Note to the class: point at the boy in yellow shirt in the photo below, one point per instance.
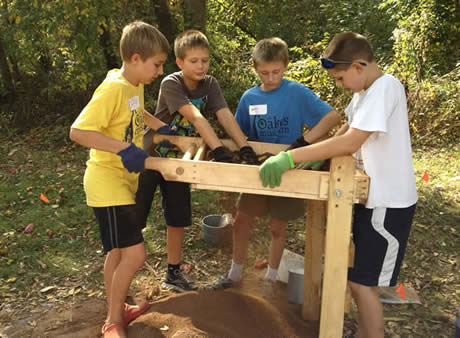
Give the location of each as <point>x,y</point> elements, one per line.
<point>112,125</point>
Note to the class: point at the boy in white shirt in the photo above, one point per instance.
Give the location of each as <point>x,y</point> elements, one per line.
<point>377,133</point>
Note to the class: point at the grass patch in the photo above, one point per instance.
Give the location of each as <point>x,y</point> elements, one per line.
<point>63,252</point>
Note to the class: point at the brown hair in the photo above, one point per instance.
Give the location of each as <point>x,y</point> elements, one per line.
<point>189,39</point>
<point>348,46</point>
<point>270,50</point>
<point>141,38</point>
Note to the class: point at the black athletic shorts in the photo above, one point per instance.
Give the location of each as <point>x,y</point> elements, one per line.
<point>118,226</point>
<point>175,199</point>
<point>380,236</point>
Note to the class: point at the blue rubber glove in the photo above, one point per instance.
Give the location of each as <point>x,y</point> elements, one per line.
<point>166,130</point>
<point>133,158</point>
<point>271,170</point>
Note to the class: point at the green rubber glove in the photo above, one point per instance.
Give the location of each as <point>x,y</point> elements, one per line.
<point>271,170</point>
<point>314,165</point>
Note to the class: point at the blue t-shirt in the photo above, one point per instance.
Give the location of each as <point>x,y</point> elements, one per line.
<point>278,116</point>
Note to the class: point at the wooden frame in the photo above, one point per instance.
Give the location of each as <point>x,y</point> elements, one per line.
<point>330,194</point>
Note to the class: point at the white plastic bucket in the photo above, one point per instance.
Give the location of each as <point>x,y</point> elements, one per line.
<point>295,286</point>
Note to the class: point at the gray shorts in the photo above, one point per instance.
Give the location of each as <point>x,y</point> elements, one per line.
<point>283,208</point>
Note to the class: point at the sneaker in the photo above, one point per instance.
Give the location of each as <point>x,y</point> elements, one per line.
<point>177,282</point>
<point>224,282</point>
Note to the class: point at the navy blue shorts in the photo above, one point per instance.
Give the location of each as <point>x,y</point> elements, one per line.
<point>175,199</point>
<point>380,236</point>
<point>118,226</point>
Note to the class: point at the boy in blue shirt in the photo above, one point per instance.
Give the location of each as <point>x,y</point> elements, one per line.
<point>274,111</point>
<point>377,133</point>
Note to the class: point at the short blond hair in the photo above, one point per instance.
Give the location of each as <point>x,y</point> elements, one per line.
<point>270,50</point>
<point>189,39</point>
<point>141,38</point>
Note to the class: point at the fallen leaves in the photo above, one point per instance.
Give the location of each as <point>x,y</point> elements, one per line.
<point>29,228</point>
<point>43,198</point>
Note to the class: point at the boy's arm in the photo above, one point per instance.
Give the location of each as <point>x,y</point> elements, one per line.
<point>96,140</point>
<point>322,128</point>
<point>132,157</point>
<point>228,122</point>
<point>271,171</point>
<point>152,122</point>
<point>344,144</point>
<point>342,130</point>
<point>193,115</point>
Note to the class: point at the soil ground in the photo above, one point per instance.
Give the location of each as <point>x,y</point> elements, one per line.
<point>252,310</point>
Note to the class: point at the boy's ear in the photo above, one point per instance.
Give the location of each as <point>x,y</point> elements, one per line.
<point>135,58</point>
<point>179,62</point>
<point>359,67</point>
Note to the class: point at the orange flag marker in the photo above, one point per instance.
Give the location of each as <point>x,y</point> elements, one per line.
<point>401,291</point>
<point>43,198</point>
<point>425,177</point>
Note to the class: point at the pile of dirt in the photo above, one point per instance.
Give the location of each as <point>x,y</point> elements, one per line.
<point>253,310</point>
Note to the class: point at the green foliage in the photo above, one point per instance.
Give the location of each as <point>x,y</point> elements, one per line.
<point>434,107</point>
<point>57,52</point>
<point>427,40</point>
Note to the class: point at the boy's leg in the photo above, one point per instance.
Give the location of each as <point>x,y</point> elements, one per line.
<point>282,209</point>
<point>123,243</point>
<point>367,299</point>
<point>132,258</point>
<point>176,204</point>
<point>247,208</point>
<point>380,236</point>
<point>278,230</point>
<point>241,228</point>
<point>112,260</point>
<point>174,240</point>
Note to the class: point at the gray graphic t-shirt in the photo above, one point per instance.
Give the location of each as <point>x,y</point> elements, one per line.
<point>207,98</point>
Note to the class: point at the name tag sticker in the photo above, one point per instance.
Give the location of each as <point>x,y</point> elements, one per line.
<point>258,109</point>
<point>133,103</point>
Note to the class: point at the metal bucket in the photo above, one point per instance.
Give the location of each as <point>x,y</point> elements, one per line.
<point>214,230</point>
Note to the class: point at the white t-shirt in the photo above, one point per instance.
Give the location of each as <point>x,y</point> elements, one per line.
<point>386,155</point>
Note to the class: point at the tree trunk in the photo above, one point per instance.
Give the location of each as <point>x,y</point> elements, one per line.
<point>195,14</point>
<point>111,60</point>
<point>166,24</point>
<point>5,70</point>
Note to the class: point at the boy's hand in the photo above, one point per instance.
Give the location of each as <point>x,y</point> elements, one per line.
<point>270,172</point>
<point>166,130</point>
<point>300,142</point>
<point>222,154</point>
<point>133,158</point>
<point>248,155</point>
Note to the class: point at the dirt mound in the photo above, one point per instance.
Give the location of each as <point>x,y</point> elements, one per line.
<point>254,310</point>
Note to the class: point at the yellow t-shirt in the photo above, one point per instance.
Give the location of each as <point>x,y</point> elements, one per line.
<point>115,110</point>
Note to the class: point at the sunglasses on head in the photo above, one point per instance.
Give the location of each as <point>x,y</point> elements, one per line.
<point>329,63</point>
